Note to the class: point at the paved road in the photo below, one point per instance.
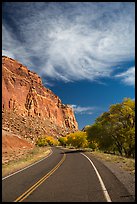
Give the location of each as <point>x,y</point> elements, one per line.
<point>65,176</point>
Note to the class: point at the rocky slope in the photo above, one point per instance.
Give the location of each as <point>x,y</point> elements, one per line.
<point>30,109</point>
<point>13,147</point>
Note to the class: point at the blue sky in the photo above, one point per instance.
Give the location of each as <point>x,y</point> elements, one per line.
<point>84,51</point>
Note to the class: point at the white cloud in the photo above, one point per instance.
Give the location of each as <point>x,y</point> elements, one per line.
<point>128,77</point>
<point>83,110</point>
<point>13,48</point>
<point>71,41</point>
<point>7,53</point>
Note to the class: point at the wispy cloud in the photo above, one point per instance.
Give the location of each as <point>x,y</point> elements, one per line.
<point>128,77</point>
<point>72,40</point>
<point>83,110</point>
<point>13,48</point>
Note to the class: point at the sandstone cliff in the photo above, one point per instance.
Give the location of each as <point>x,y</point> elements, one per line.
<point>30,108</point>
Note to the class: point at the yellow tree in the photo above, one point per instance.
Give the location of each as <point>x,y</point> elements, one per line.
<point>122,119</point>
<point>115,129</point>
<point>77,139</point>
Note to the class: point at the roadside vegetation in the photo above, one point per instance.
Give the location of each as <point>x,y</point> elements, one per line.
<point>27,159</point>
<point>77,139</point>
<point>46,140</point>
<point>127,164</point>
<point>113,132</point>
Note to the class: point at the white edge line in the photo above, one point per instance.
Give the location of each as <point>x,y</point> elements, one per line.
<point>100,180</point>
<point>27,166</point>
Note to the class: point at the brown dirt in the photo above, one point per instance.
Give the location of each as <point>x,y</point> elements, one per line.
<point>13,147</point>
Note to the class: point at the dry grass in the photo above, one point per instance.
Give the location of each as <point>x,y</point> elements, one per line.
<point>127,164</point>
<point>32,156</point>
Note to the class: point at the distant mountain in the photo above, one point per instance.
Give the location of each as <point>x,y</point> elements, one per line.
<point>29,108</point>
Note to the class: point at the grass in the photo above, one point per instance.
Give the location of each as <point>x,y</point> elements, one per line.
<point>127,164</point>
<point>31,157</point>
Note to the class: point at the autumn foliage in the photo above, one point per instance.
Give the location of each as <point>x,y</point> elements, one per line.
<point>114,131</point>
<point>77,139</point>
<point>46,141</point>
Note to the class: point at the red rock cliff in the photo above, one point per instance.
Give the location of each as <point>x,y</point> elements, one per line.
<point>24,94</point>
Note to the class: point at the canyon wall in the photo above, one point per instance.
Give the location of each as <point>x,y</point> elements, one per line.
<point>25,97</point>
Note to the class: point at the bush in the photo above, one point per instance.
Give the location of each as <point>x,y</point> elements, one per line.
<point>77,139</point>
<point>63,141</point>
<point>46,140</point>
<point>41,142</point>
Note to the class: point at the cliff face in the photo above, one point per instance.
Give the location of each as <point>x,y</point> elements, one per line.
<point>24,95</point>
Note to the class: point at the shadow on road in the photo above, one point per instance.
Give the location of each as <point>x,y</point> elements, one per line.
<point>73,151</point>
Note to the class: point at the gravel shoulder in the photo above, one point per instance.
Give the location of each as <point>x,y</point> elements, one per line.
<point>126,176</point>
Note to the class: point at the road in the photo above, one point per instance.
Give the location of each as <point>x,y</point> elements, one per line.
<point>65,176</point>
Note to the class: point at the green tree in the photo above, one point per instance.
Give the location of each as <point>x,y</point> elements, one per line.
<point>98,136</point>
<point>62,141</point>
<point>122,119</point>
<point>115,129</point>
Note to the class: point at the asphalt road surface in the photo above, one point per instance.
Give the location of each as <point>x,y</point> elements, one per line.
<point>65,176</point>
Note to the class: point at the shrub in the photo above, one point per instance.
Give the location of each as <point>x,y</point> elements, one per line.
<point>77,139</point>
<point>41,142</point>
<point>46,140</point>
<point>63,141</point>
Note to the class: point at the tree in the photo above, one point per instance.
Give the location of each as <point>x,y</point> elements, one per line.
<point>77,139</point>
<point>98,136</point>
<point>46,140</point>
<point>41,142</point>
<point>122,119</point>
<point>115,129</point>
<point>63,141</point>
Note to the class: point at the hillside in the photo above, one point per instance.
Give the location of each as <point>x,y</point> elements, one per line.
<point>29,109</point>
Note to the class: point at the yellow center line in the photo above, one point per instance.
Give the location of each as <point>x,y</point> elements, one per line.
<point>38,183</point>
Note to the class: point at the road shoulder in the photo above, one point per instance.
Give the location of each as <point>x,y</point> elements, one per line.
<point>124,176</point>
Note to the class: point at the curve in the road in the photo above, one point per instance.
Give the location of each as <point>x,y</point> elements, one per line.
<point>28,166</point>
<point>80,178</point>
<point>16,184</point>
<point>38,183</point>
<point>106,194</point>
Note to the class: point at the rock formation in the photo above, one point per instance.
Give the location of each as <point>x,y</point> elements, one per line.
<point>26,101</point>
